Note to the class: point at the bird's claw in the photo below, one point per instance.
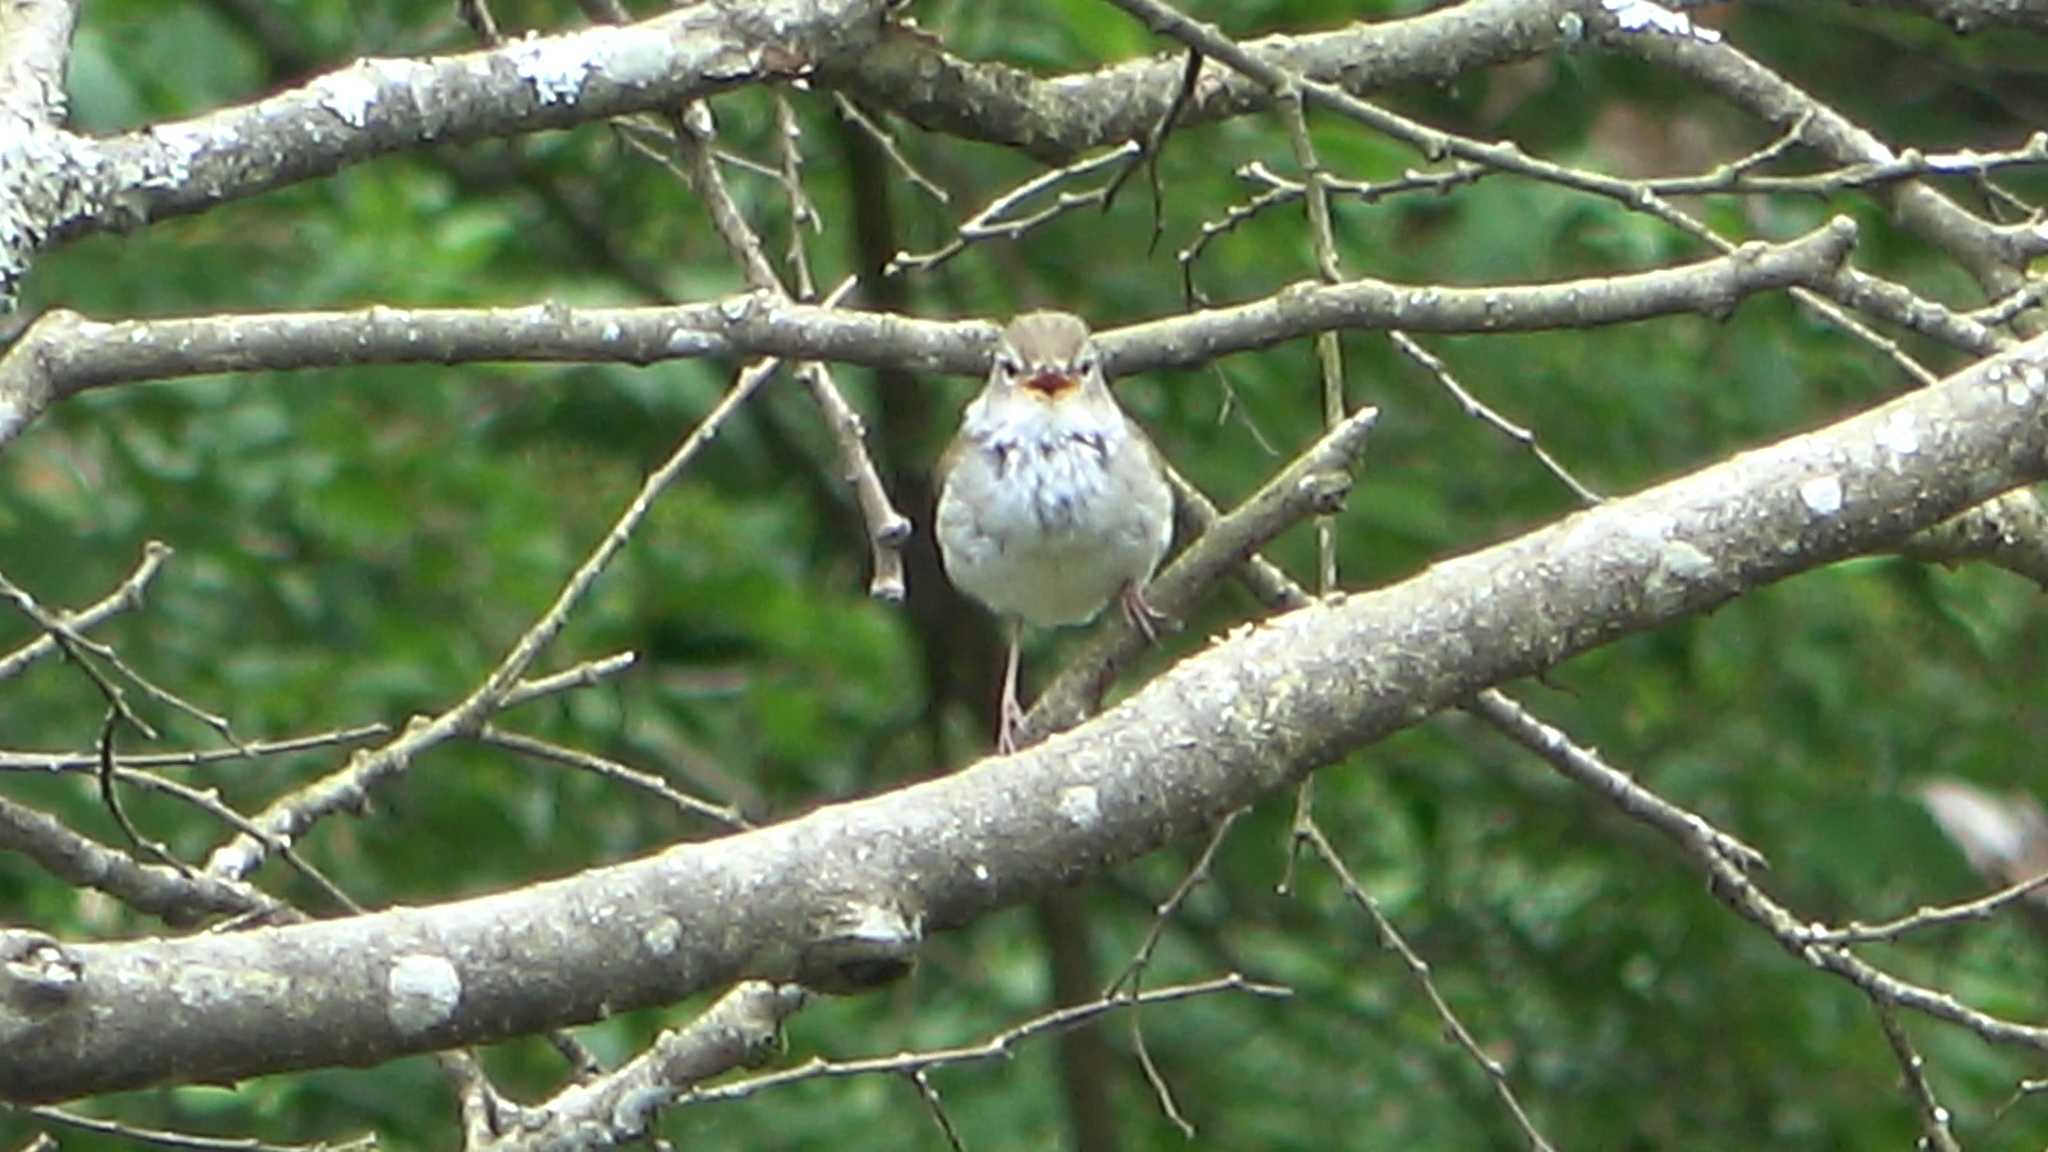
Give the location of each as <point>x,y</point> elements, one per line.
<point>1142,615</point>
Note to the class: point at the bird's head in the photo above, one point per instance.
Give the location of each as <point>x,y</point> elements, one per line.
<point>1048,358</point>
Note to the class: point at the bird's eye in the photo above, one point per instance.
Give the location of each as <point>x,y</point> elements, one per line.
<point>1087,364</point>
<point>1009,365</point>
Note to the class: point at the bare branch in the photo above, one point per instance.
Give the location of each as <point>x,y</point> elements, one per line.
<point>1058,118</point>
<point>1390,937</point>
<point>346,789</point>
<point>1982,908</point>
<point>2011,532</point>
<point>124,598</point>
<point>995,221</point>
<point>743,1029</point>
<point>189,1141</point>
<point>77,647</point>
<point>63,354</point>
<point>1740,178</point>
<point>995,1048</point>
<point>156,890</point>
<point>1974,243</point>
<point>1249,715</point>
<point>1934,1119</point>
<point>1585,767</point>
<point>611,770</point>
<point>1316,481</point>
<point>1280,190</point>
<point>254,750</point>
<point>1505,156</point>
<point>929,1093</point>
<point>583,675</point>
<point>1477,409</point>
<point>887,143</point>
<point>377,107</point>
<point>887,529</point>
<point>1133,975</point>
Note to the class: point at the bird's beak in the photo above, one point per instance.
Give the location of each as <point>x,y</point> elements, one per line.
<point>1052,385</point>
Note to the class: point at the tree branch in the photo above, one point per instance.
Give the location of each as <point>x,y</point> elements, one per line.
<point>1058,118</point>
<point>1982,249</point>
<point>62,185</point>
<point>35,45</point>
<point>63,353</point>
<point>1253,713</point>
<point>125,598</point>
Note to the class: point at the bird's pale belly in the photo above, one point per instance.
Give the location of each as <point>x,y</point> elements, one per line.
<point>1048,579</point>
<point>1051,543</point>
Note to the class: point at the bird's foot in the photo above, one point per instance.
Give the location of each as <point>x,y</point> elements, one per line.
<point>1149,621</point>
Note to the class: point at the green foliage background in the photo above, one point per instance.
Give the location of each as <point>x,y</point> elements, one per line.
<point>364,544</point>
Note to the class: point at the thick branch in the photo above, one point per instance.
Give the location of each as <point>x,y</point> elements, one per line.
<point>1255,712</point>
<point>64,354</point>
<point>71,185</point>
<point>35,42</point>
<point>152,888</point>
<point>1058,118</point>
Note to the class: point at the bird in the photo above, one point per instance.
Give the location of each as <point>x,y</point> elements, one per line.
<point>1052,502</point>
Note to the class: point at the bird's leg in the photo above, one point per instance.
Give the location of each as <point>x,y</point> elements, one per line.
<point>1140,612</point>
<point>1012,713</point>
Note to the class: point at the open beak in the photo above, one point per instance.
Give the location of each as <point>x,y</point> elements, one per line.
<point>1052,385</point>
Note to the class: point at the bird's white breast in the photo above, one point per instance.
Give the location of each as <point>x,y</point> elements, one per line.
<point>1037,522</point>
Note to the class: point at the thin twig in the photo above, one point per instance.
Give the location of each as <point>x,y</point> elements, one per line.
<point>1936,1134</point>
<point>477,14</point>
<point>1154,142</point>
<point>288,817</point>
<point>161,1138</point>
<point>256,750</point>
<point>1419,969</point>
<point>580,676</point>
<point>76,646</point>
<point>887,528</point>
<point>994,221</point>
<point>110,799</point>
<point>647,782</point>
<point>1133,976</point>
<point>1585,767</point>
<point>890,148</point>
<point>1910,164</point>
<point>1281,190</point>
<point>70,643</point>
<point>1477,409</point>
<point>803,215</point>
<point>994,1048</point>
<point>1330,358</point>
<point>1197,875</point>
<point>929,1093</point>
<point>1982,908</point>
<point>125,597</point>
